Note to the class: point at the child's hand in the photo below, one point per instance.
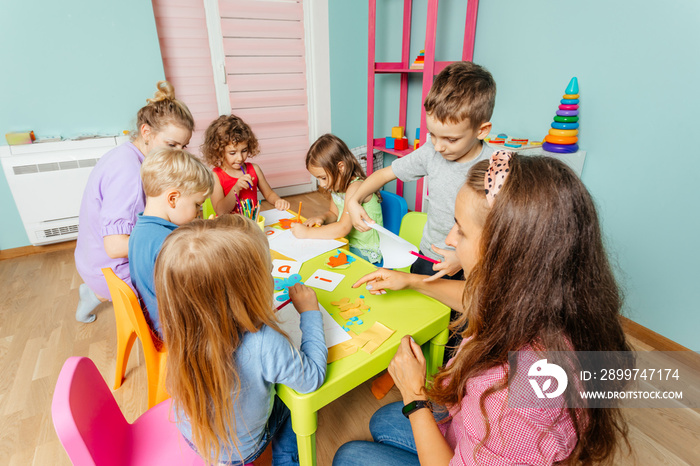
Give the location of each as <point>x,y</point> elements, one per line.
<point>358,216</point>
<point>282,204</point>
<point>383,279</point>
<point>303,298</point>
<point>449,266</point>
<point>299,231</point>
<point>313,221</point>
<point>244,182</point>
<point>408,370</point>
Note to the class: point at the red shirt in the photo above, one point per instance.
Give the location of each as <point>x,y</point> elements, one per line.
<point>227,183</point>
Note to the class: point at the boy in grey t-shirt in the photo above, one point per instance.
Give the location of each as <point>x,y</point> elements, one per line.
<point>458,109</point>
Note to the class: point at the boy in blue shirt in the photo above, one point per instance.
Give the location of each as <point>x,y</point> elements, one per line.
<point>176,184</point>
<point>458,109</point>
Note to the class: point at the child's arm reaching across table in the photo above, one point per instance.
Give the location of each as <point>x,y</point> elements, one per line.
<point>331,227</point>
<point>353,205</point>
<point>267,192</point>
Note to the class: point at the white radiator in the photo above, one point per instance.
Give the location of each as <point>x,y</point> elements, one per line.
<point>47,182</point>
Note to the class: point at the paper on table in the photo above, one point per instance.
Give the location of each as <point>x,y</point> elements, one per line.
<point>396,251</point>
<point>324,280</point>
<point>289,322</point>
<point>274,216</point>
<point>283,269</point>
<point>301,249</point>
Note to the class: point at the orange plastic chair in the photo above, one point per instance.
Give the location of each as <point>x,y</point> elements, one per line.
<point>131,324</point>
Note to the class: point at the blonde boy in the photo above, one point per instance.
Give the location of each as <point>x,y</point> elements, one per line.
<point>458,109</point>
<point>176,185</point>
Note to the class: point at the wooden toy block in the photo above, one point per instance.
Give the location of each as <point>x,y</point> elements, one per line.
<point>401,144</point>
<point>416,144</point>
<point>389,142</point>
<point>397,132</point>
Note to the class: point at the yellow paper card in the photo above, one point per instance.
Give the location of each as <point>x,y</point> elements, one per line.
<point>375,336</point>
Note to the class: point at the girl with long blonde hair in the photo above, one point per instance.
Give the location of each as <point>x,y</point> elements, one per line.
<point>226,351</point>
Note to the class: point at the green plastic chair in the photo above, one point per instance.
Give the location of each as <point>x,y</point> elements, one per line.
<point>412,230</point>
<point>208,209</point>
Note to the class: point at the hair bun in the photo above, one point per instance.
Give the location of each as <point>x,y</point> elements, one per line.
<point>165,91</point>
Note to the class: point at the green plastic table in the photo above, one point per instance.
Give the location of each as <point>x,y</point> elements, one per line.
<point>407,312</point>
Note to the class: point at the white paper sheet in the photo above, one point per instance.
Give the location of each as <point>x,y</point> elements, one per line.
<point>274,216</point>
<point>396,251</point>
<point>301,249</point>
<point>324,279</point>
<point>283,269</point>
<point>289,322</point>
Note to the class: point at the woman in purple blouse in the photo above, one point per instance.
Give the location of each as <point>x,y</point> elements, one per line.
<point>114,196</point>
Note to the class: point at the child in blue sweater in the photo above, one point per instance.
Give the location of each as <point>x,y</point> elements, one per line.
<point>176,184</point>
<point>226,351</point>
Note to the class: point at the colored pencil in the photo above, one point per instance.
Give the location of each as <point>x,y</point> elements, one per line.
<point>425,257</point>
<point>299,213</point>
<point>284,304</point>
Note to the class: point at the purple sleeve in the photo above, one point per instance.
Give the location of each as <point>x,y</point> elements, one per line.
<point>122,198</point>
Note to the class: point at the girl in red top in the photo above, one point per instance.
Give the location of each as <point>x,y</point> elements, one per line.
<point>228,142</point>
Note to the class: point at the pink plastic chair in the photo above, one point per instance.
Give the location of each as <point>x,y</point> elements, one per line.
<point>93,431</point>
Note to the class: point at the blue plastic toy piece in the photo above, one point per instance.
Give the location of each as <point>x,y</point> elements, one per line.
<point>569,101</point>
<point>503,136</point>
<point>557,125</point>
<point>417,133</point>
<point>389,142</point>
<point>359,322</point>
<point>572,88</point>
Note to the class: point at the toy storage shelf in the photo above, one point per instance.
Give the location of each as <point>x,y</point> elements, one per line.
<point>403,68</point>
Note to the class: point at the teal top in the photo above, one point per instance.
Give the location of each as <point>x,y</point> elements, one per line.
<point>366,242</point>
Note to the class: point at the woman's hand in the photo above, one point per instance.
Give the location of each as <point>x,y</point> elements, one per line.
<point>282,204</point>
<point>408,370</point>
<point>450,264</point>
<point>313,221</point>
<point>244,182</point>
<point>303,298</point>
<point>299,230</point>
<point>384,279</point>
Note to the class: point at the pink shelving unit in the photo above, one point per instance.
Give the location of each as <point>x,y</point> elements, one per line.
<point>430,69</point>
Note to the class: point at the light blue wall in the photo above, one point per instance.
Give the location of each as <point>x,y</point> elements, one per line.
<point>637,76</point>
<point>71,68</point>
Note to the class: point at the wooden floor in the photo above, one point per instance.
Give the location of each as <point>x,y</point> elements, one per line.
<point>38,332</point>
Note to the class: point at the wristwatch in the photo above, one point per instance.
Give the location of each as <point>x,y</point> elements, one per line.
<point>414,406</point>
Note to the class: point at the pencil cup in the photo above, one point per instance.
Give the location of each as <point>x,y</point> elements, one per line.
<point>261,223</point>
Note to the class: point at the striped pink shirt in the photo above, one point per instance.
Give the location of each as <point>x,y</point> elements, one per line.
<point>518,436</point>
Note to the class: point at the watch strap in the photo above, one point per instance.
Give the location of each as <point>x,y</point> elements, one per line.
<point>414,406</point>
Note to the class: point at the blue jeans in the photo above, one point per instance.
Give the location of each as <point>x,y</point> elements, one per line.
<point>393,444</point>
<point>285,451</point>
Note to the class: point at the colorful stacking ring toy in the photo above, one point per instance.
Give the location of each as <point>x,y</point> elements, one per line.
<point>557,125</point>
<point>561,140</point>
<point>560,149</point>
<point>563,132</point>
<point>563,135</point>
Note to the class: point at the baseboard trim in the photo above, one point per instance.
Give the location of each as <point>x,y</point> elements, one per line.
<point>31,250</point>
<point>661,343</point>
